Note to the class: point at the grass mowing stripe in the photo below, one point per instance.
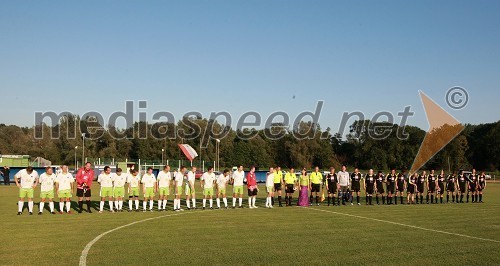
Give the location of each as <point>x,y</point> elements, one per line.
<point>83,257</point>
<point>406,225</point>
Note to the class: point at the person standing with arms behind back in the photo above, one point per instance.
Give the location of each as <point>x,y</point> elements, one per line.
<point>343,177</point>
<point>278,184</point>
<point>5,172</point>
<point>316,178</point>
<point>84,178</point>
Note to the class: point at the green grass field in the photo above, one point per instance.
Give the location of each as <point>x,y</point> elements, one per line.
<point>289,235</point>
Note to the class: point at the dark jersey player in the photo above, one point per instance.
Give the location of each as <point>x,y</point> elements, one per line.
<point>390,180</point>
<point>441,181</point>
<point>472,188</point>
<point>481,185</point>
<point>451,186</point>
<point>380,180</point>
<point>431,187</point>
<point>331,186</point>
<point>369,186</point>
<point>356,185</point>
<point>411,188</point>
<point>400,187</point>
<point>421,187</point>
<point>462,185</point>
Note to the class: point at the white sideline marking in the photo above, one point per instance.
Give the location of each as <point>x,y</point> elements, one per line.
<point>407,225</point>
<point>85,252</point>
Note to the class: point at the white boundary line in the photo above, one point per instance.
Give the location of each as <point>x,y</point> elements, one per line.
<point>85,252</point>
<point>406,225</point>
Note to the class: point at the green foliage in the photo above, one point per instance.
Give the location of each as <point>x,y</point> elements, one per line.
<point>477,145</point>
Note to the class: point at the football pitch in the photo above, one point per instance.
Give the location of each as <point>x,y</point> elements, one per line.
<point>397,234</point>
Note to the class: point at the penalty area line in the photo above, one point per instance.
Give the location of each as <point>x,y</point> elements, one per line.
<point>406,225</point>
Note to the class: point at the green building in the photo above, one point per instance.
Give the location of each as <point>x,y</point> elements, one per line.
<point>14,160</point>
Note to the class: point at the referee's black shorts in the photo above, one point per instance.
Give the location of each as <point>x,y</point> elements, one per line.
<point>277,186</point>
<point>316,188</point>
<point>80,192</point>
<point>289,188</point>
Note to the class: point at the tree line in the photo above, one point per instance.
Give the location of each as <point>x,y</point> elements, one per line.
<point>477,145</point>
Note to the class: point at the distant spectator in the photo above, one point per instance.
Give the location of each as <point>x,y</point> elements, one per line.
<point>5,172</point>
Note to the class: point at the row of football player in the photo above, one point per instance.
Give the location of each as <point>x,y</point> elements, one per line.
<point>416,185</point>
<point>112,186</point>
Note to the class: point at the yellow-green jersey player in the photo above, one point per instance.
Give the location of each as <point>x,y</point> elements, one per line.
<point>26,181</point>
<point>207,182</point>
<point>133,181</point>
<point>291,184</point>
<point>164,180</point>
<point>221,183</point>
<point>47,181</point>
<point>65,184</point>
<point>119,180</point>
<point>315,178</point>
<point>150,187</point>
<point>278,183</point>
<point>105,179</point>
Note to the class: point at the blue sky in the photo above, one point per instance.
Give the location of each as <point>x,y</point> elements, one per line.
<point>240,56</point>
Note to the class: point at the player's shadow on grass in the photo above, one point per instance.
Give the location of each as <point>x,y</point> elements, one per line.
<point>93,205</point>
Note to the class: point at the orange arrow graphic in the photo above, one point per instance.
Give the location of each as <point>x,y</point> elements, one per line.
<point>443,128</point>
